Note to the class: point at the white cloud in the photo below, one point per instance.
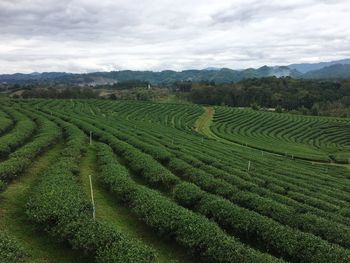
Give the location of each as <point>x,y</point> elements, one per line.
<point>94,35</point>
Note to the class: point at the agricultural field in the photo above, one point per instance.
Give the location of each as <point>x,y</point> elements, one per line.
<point>112,181</point>
<point>306,137</point>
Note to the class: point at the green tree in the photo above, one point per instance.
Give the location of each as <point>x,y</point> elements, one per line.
<point>278,109</point>
<point>315,110</point>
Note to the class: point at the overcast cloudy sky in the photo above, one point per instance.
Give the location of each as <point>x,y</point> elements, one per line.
<point>104,35</point>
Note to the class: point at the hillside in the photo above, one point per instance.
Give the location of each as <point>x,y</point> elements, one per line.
<point>104,181</point>
<point>306,67</point>
<point>337,71</point>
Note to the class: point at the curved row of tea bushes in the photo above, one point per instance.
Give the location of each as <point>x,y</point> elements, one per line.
<point>22,131</point>
<point>318,131</point>
<point>6,123</point>
<point>172,115</point>
<point>59,206</point>
<point>291,244</point>
<point>328,230</point>
<point>312,138</point>
<point>189,229</point>
<point>19,160</point>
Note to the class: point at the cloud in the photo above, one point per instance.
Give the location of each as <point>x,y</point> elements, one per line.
<point>92,35</point>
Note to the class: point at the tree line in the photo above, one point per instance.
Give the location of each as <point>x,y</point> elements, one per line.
<point>305,96</point>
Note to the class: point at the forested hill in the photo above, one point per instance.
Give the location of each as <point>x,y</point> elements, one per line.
<point>168,77</point>
<point>165,77</point>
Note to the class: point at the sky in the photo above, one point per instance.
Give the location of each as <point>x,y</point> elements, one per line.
<point>106,35</point>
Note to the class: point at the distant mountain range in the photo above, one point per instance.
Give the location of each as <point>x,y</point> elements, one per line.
<point>325,70</point>
<point>306,67</point>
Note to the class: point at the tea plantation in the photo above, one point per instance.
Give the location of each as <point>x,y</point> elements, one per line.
<point>122,181</point>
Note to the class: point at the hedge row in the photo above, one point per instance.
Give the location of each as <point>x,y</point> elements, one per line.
<point>60,207</point>
<point>190,230</point>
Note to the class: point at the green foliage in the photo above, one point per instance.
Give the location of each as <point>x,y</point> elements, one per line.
<point>284,241</point>
<point>59,206</point>
<point>255,106</point>
<point>278,109</point>
<point>271,92</point>
<point>190,230</point>
<point>10,250</point>
<point>192,189</point>
<point>315,110</point>
<point>2,186</point>
<point>23,130</point>
<point>303,137</point>
<point>20,159</point>
<point>59,93</point>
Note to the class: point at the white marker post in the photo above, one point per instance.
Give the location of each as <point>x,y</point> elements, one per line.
<point>92,199</point>
<point>248,166</point>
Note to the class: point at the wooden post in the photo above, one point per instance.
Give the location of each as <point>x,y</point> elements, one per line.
<point>92,199</point>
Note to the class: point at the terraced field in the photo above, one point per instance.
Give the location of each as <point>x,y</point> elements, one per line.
<point>171,183</point>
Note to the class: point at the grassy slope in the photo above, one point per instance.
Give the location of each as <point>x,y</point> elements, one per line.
<point>108,209</point>
<point>12,216</point>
